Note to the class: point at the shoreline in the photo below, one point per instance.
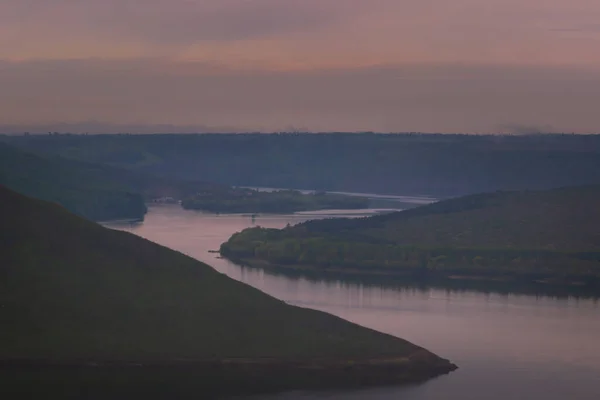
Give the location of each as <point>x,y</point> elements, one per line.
<point>215,378</point>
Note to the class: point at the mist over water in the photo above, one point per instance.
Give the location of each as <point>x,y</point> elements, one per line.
<point>507,346</point>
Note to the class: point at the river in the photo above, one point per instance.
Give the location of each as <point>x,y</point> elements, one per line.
<point>508,346</point>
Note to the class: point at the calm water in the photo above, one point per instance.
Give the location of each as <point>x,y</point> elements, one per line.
<point>507,346</point>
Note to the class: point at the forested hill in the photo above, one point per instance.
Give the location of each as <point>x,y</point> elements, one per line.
<point>108,311</point>
<point>97,192</point>
<point>563,219</point>
<point>438,165</point>
<point>532,235</point>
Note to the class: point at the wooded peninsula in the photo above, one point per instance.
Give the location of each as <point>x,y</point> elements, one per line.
<point>534,236</point>
<point>242,200</point>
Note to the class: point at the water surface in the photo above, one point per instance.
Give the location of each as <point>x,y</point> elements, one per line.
<point>508,346</point>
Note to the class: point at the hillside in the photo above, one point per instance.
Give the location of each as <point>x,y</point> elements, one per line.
<point>549,236</point>
<point>102,192</point>
<point>97,192</point>
<point>405,164</point>
<point>114,314</point>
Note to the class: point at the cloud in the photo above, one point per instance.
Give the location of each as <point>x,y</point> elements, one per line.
<point>432,98</point>
<point>525,129</point>
<point>226,20</point>
<point>583,28</point>
<point>301,33</point>
<point>96,127</point>
<point>174,22</point>
<point>385,65</point>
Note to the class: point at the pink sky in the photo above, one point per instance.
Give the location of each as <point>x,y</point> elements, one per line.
<point>384,65</point>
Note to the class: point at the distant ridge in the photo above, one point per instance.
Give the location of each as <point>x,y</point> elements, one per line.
<point>437,165</point>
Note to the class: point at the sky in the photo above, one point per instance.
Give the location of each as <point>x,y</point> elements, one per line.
<point>472,66</point>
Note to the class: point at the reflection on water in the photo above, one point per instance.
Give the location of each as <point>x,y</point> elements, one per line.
<point>508,346</point>
<point>447,285</point>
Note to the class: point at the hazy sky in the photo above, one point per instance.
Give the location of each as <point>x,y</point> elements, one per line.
<point>382,65</point>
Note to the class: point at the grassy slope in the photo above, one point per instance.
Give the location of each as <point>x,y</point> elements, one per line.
<point>73,290</point>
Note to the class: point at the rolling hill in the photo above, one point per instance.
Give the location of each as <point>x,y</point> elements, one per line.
<point>102,192</point>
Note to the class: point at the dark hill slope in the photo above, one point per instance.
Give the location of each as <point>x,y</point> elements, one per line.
<point>533,235</point>
<point>73,293</point>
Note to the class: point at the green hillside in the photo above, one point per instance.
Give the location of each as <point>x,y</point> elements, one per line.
<point>549,236</point>
<point>104,311</point>
<point>97,192</point>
